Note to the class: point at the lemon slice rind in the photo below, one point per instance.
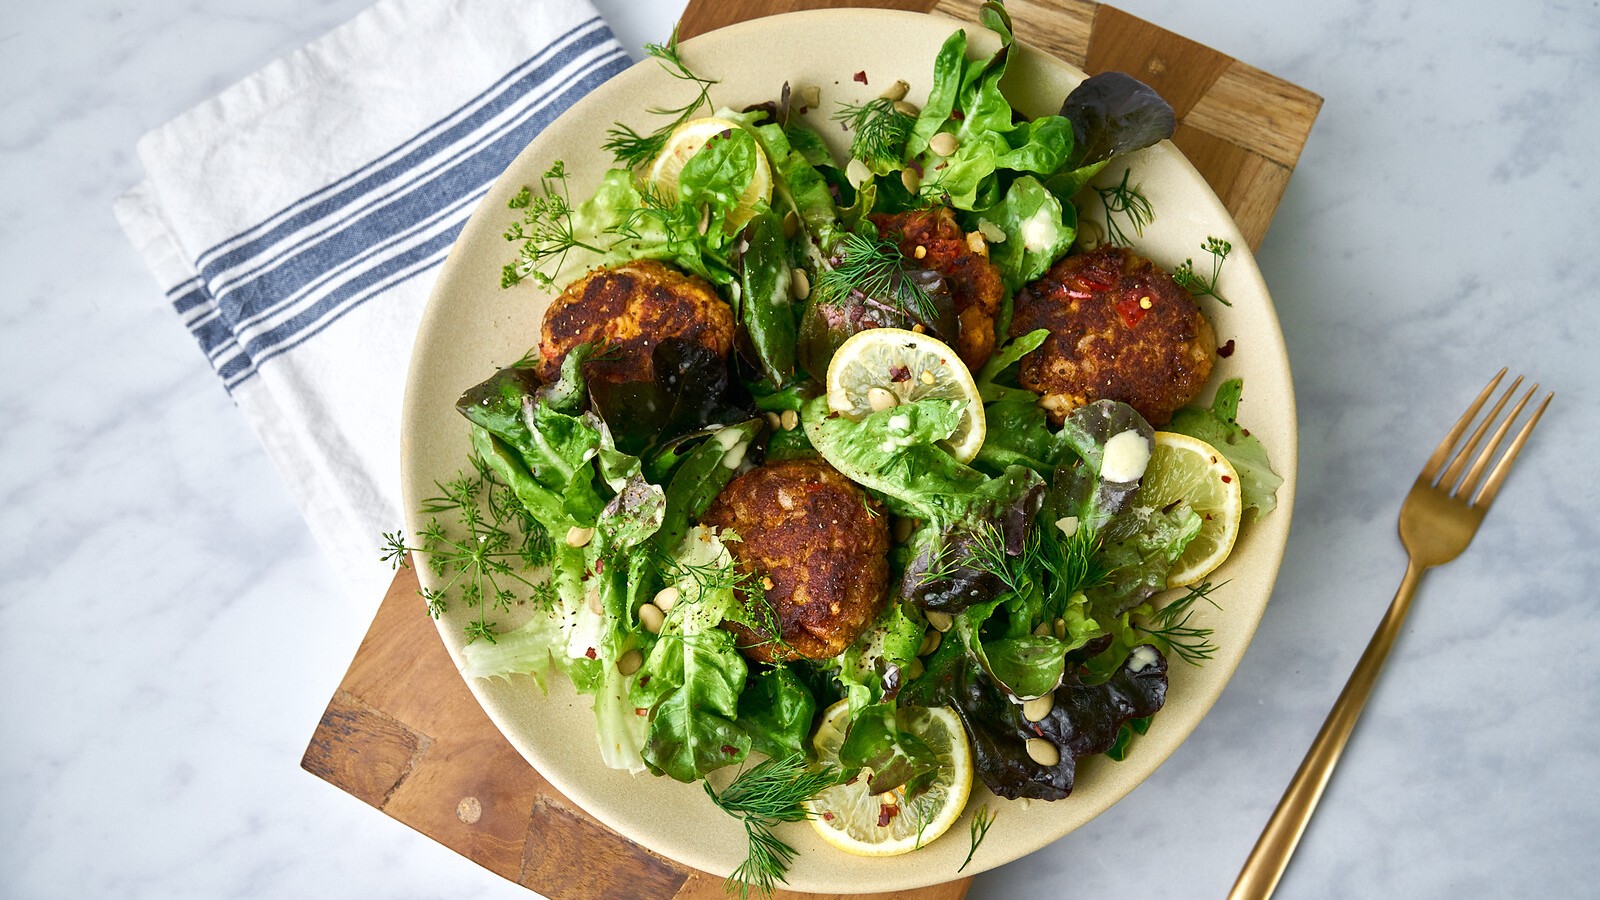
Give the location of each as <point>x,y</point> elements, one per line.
<point>1187,469</point>
<point>846,816</point>
<point>909,366</point>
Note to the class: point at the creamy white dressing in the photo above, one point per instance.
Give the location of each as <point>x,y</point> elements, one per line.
<point>1126,457</point>
<point>1143,657</point>
<point>1040,230</point>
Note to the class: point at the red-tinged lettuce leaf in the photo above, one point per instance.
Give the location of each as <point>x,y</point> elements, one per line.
<point>691,390</point>
<point>1112,114</point>
<point>1085,720</point>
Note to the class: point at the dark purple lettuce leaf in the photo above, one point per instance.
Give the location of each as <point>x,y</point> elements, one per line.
<point>1113,113</point>
<point>832,317</point>
<point>691,389</point>
<point>1085,720</point>
<point>941,575</point>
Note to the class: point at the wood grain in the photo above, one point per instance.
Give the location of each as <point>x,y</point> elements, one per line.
<point>402,732</point>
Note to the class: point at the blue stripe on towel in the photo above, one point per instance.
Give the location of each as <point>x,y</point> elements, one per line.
<point>391,164</point>
<point>364,250</point>
<point>345,238</point>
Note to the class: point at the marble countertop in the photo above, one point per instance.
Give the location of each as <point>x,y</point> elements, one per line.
<point>169,633</point>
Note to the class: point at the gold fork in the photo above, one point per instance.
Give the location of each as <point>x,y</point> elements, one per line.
<point>1437,521</point>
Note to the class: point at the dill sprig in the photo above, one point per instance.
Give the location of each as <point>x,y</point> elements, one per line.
<point>1199,285</point>
<point>1170,626</point>
<point>1129,201</point>
<point>545,230</point>
<point>749,588</point>
<point>1072,564</point>
<point>981,820</point>
<point>874,268</point>
<point>765,795</point>
<point>482,554</point>
<point>632,149</point>
<point>881,132</point>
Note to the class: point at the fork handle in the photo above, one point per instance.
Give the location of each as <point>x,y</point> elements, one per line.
<point>1267,861</point>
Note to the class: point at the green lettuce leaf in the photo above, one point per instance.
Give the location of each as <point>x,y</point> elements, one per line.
<point>1218,426</point>
<point>1038,230</point>
<point>776,710</point>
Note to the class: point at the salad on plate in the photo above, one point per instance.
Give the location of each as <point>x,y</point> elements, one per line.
<point>866,478</point>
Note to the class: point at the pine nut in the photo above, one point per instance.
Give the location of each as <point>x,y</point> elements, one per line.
<point>790,420</point>
<point>857,173</point>
<point>913,670</point>
<point>896,91</point>
<point>630,662</point>
<point>907,109</point>
<point>881,399</point>
<point>811,96</point>
<point>579,537</point>
<point>799,284</point>
<point>1038,708</point>
<point>791,224</point>
<point>930,642</point>
<point>652,618</point>
<point>1061,629</point>
<point>666,597</point>
<point>774,421</point>
<point>944,143</point>
<point>911,180</point>
<point>1043,752</point>
<point>591,599</point>
<point>1042,629</point>
<point>903,529</point>
<point>939,620</point>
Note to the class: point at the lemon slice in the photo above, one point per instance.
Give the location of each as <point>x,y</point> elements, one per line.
<point>1189,470</point>
<point>883,367</point>
<point>685,141</point>
<point>847,816</point>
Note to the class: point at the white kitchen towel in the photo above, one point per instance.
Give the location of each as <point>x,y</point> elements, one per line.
<point>297,222</point>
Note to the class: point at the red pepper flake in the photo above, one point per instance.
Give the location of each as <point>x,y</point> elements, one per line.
<point>1130,311</point>
<point>1227,479</point>
<point>827,817</point>
<point>898,374</point>
<point>957,115</point>
<point>886,812</point>
<point>860,76</point>
<point>600,566</point>
<point>1095,280</point>
<point>1226,350</point>
<point>590,653</point>
<point>641,711</point>
<point>644,680</point>
<point>729,749</point>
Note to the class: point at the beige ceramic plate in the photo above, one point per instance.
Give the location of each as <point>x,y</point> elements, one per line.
<point>472,327</point>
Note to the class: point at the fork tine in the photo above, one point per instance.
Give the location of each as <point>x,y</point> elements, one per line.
<point>1442,453</point>
<point>1470,482</point>
<point>1498,476</point>
<point>1453,473</point>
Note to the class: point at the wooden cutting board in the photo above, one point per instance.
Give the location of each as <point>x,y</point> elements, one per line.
<point>403,734</point>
